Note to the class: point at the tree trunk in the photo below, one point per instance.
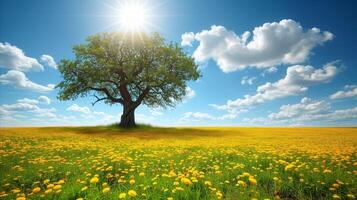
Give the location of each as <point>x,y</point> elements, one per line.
<point>128,116</point>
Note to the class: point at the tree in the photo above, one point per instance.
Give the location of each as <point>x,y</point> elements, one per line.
<point>129,69</point>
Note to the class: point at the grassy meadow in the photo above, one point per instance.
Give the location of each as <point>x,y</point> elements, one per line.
<point>178,163</point>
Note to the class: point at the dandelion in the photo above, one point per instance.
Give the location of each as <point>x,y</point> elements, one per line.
<point>252,181</point>
<point>132,193</point>
<point>208,183</point>
<point>94,180</point>
<point>122,195</point>
<point>36,190</point>
<point>15,191</point>
<point>106,190</point>
<point>57,187</point>
<point>170,198</point>
<point>84,188</point>
<point>335,196</point>
<point>186,181</point>
<point>132,182</point>
<point>48,191</point>
<point>21,198</point>
<point>141,174</point>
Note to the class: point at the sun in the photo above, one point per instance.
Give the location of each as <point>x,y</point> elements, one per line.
<point>133,17</point>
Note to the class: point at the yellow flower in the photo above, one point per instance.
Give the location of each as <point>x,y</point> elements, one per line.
<point>252,181</point>
<point>122,195</point>
<point>79,199</point>
<point>104,184</point>
<point>186,181</point>
<point>36,190</point>
<point>132,193</point>
<point>170,198</point>
<point>50,185</point>
<point>16,191</point>
<point>60,182</point>
<point>142,174</point>
<point>47,181</point>
<point>132,181</point>
<point>94,180</point>
<point>208,183</point>
<point>242,183</point>
<point>105,190</point>
<point>21,198</point>
<point>335,196</point>
<point>58,191</point>
<point>351,196</point>
<point>275,178</point>
<point>289,167</point>
<point>57,187</point>
<point>48,191</point>
<point>84,188</point>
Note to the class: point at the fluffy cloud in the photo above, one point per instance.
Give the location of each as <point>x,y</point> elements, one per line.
<point>190,93</point>
<point>284,42</point>
<point>350,91</point>
<point>44,100</point>
<point>77,108</point>
<point>195,116</point>
<point>248,80</point>
<point>187,39</point>
<point>12,57</point>
<point>305,107</point>
<point>297,80</point>
<point>18,79</point>
<point>27,105</point>
<point>47,59</point>
<point>199,116</point>
<point>307,111</point>
<point>40,99</point>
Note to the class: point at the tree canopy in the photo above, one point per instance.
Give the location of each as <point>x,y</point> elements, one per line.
<point>129,69</point>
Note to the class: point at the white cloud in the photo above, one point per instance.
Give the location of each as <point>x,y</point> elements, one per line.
<point>248,80</point>
<point>195,116</point>
<point>12,57</point>
<point>187,39</point>
<point>47,59</point>
<point>77,108</point>
<point>44,100</point>
<point>297,80</point>
<point>190,93</point>
<point>18,79</point>
<point>28,101</point>
<point>305,107</point>
<point>284,42</point>
<point>351,91</point>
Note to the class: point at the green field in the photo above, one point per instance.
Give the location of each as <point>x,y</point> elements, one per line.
<point>178,163</point>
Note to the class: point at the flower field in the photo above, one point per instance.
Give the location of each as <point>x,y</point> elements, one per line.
<point>178,163</point>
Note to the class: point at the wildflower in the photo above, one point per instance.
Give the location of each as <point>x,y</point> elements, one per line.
<point>50,186</point>
<point>104,184</point>
<point>60,182</point>
<point>48,191</point>
<point>242,183</point>
<point>186,181</point>
<point>21,198</point>
<point>252,181</point>
<point>132,181</point>
<point>15,191</point>
<point>47,181</point>
<point>122,195</point>
<point>208,183</point>
<point>170,198</point>
<point>276,179</point>
<point>79,199</point>
<point>335,196</point>
<point>351,196</point>
<point>132,193</point>
<point>142,174</point>
<point>36,190</point>
<point>105,190</point>
<point>58,191</point>
<point>57,187</point>
<point>289,167</point>
<point>94,180</point>
<point>84,188</point>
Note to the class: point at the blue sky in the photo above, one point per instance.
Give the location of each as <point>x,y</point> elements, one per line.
<point>263,63</point>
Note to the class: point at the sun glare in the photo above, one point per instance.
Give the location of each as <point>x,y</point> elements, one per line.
<point>133,16</point>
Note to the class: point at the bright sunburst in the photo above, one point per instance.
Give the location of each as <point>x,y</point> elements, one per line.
<point>133,16</point>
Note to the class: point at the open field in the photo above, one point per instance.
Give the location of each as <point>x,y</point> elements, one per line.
<point>185,163</point>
